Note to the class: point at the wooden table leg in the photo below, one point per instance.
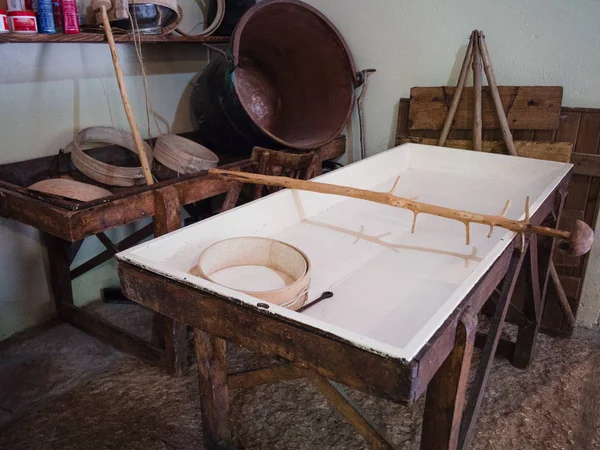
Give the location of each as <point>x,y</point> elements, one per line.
<point>171,333</point>
<point>59,258</point>
<point>538,275</point>
<point>211,356</point>
<point>446,392</point>
<point>532,308</point>
<point>489,350</point>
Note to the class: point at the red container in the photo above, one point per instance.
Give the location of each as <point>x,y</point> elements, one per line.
<point>3,22</point>
<point>22,22</point>
<point>70,17</point>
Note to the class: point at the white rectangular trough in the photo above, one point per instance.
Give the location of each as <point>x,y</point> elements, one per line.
<point>392,289</point>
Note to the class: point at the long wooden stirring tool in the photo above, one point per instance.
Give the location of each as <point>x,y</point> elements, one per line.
<point>103,6</point>
<point>580,239</point>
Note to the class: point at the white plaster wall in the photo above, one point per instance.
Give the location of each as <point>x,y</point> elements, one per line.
<point>48,92</point>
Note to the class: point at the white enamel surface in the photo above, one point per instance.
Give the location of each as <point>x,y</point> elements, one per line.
<point>392,289</point>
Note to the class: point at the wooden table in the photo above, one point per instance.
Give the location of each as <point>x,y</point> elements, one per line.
<point>331,355</point>
<point>66,223</point>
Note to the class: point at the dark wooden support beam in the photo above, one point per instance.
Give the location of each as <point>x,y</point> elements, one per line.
<point>106,255</point>
<point>111,334</point>
<point>505,348</point>
<point>252,378</point>
<point>169,332</point>
<point>446,392</point>
<point>211,357</point>
<point>338,398</point>
<point>59,262</point>
<point>487,357</point>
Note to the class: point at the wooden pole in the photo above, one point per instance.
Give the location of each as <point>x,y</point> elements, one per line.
<point>139,145</point>
<point>458,92</point>
<point>489,73</point>
<point>580,240</point>
<point>477,131</point>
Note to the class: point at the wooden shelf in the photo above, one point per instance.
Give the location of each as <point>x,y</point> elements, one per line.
<point>84,38</point>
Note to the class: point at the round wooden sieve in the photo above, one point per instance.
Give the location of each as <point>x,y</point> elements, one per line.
<point>290,263</point>
<point>182,155</point>
<point>103,172</point>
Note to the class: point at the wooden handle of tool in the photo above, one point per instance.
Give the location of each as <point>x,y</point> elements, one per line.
<point>580,240</point>
<point>139,143</point>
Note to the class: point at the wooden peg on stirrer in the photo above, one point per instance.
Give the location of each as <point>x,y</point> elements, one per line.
<point>579,240</point>
<point>103,6</point>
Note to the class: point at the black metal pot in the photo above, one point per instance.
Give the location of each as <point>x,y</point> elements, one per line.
<point>151,18</point>
<point>234,10</point>
<point>287,81</point>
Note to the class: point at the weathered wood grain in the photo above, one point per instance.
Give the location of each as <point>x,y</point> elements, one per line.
<point>211,358</point>
<point>447,390</point>
<point>312,348</point>
<point>526,107</point>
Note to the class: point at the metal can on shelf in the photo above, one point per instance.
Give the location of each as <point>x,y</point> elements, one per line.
<point>22,22</point>
<point>46,17</point>
<point>70,17</point>
<point>3,22</point>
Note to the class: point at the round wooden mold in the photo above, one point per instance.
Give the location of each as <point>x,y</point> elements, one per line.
<point>182,155</point>
<point>264,268</point>
<point>70,189</point>
<point>101,171</point>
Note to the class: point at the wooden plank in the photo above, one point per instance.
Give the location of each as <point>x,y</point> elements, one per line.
<point>252,378</point>
<point>586,164</point>
<point>337,398</point>
<point>477,390</point>
<point>100,37</point>
<point>447,391</point>
<point>315,349</point>
<point>402,125</point>
<point>58,262</point>
<point>550,151</point>
<point>112,335</point>
<point>527,107</point>
<point>167,218</point>
<point>211,358</point>
<point>571,285</point>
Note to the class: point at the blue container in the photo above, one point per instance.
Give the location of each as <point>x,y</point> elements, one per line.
<point>45,17</point>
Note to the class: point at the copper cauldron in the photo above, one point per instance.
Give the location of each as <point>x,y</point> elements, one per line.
<point>286,80</point>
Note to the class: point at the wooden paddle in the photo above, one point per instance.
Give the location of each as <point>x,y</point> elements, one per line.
<point>580,239</point>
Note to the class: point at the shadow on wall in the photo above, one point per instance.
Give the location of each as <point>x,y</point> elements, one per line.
<point>24,290</point>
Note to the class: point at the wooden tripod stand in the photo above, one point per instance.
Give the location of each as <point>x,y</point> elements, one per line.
<point>477,57</point>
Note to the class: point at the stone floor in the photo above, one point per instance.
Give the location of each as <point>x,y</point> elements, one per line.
<point>60,388</point>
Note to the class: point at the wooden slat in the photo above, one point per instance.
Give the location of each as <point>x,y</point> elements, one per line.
<point>402,126</point>
<point>549,151</point>
<point>99,37</point>
<point>527,107</point>
<point>586,164</point>
<point>570,285</point>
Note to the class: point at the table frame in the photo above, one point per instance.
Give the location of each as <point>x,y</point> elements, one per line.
<point>441,368</point>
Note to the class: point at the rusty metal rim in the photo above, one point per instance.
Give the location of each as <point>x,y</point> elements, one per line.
<point>235,48</point>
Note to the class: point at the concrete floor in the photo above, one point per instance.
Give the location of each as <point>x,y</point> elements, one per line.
<point>60,388</point>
